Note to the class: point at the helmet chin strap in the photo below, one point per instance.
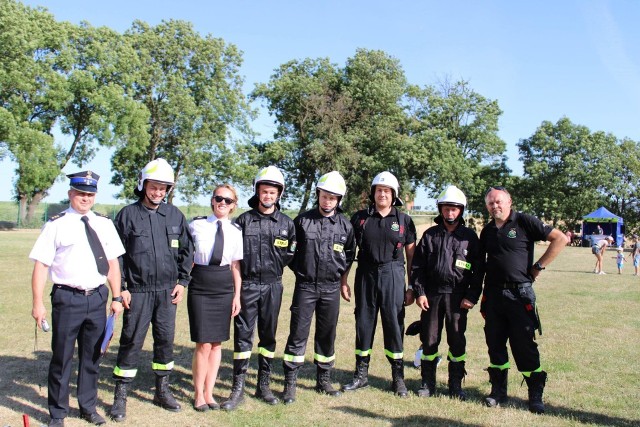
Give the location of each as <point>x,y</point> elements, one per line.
<point>327,210</point>
<point>267,205</point>
<point>451,221</point>
<point>151,200</point>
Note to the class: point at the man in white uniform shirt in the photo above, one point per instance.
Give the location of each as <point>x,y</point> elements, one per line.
<point>79,250</point>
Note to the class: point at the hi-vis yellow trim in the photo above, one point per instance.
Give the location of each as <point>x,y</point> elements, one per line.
<point>463,264</point>
<point>281,243</point>
<point>125,373</point>
<point>429,357</point>
<point>242,355</point>
<point>338,247</point>
<point>324,359</point>
<point>363,353</point>
<point>393,355</point>
<point>162,366</point>
<point>293,358</point>
<point>528,374</point>
<point>266,353</point>
<point>457,359</point>
<point>502,367</point>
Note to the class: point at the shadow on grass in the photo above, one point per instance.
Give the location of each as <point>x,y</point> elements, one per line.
<point>23,387</point>
<point>403,421</point>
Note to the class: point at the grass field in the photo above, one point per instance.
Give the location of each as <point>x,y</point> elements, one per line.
<point>589,346</point>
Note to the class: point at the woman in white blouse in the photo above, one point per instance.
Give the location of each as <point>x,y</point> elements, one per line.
<point>214,291</point>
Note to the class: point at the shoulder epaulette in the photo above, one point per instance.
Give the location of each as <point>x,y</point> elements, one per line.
<point>102,215</point>
<point>58,216</point>
<point>199,217</point>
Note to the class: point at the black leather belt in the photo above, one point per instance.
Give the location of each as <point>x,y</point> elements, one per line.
<point>511,285</point>
<point>85,292</point>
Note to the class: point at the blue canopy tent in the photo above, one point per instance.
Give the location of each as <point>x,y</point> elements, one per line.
<point>612,225</point>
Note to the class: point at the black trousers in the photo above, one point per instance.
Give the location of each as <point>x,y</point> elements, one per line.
<point>260,303</point>
<point>147,308</point>
<point>508,317</point>
<point>75,317</point>
<point>380,289</point>
<point>444,311</point>
<point>324,301</point>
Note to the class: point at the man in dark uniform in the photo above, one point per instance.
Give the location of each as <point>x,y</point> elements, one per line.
<point>508,302</point>
<point>446,277</point>
<point>155,273</point>
<point>382,233</point>
<point>269,240</point>
<point>323,257</point>
<point>79,249</point>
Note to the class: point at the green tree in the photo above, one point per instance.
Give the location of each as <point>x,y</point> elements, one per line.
<point>455,133</point>
<point>566,170</point>
<point>57,78</point>
<point>328,118</point>
<point>198,116</point>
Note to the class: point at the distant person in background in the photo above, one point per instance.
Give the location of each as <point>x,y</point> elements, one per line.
<point>635,255</point>
<point>620,259</point>
<point>598,249</point>
<point>599,230</point>
<point>214,291</point>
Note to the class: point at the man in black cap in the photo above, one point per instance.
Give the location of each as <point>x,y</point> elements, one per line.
<point>79,250</point>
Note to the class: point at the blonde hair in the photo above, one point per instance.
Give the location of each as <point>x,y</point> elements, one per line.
<point>233,191</point>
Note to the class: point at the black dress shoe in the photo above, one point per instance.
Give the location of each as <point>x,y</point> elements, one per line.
<point>56,422</point>
<point>202,408</point>
<point>93,418</point>
<point>214,406</point>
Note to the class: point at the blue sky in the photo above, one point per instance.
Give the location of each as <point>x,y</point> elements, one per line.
<point>541,60</point>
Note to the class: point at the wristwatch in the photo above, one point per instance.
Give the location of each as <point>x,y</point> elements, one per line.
<point>538,267</point>
<point>117,299</point>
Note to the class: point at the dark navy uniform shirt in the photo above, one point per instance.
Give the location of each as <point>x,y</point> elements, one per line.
<point>509,250</point>
<point>269,243</point>
<point>382,240</point>
<point>159,247</point>
<point>326,247</point>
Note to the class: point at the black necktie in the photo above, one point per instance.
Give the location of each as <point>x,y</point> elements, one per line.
<point>96,248</point>
<point>218,245</point>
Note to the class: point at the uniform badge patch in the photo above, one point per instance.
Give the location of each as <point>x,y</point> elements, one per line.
<point>395,226</point>
<point>512,233</point>
<point>293,247</point>
<point>463,264</point>
<point>284,233</point>
<point>338,247</point>
<point>175,243</point>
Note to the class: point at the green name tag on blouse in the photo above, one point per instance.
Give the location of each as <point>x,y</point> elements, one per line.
<point>463,264</point>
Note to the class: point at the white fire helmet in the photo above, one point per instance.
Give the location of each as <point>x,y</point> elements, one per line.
<point>387,179</point>
<point>452,195</point>
<point>270,175</point>
<point>157,170</point>
<point>333,183</point>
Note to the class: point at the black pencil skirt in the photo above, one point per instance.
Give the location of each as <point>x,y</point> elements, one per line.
<point>209,303</point>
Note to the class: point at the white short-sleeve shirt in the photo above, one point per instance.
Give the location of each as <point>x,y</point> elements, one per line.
<point>64,248</point>
<point>204,230</point>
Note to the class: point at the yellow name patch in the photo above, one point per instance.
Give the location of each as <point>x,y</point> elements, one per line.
<point>175,243</point>
<point>338,247</point>
<point>463,264</point>
<point>280,243</point>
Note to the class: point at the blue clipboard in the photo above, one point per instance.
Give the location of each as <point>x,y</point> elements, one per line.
<point>108,333</point>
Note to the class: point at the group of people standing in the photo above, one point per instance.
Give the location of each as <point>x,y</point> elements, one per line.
<point>233,270</point>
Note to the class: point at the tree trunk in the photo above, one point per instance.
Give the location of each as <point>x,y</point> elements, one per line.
<point>22,209</point>
<point>306,197</point>
<point>33,205</point>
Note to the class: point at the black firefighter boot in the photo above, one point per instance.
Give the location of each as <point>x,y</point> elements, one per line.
<point>263,391</point>
<point>456,375</point>
<point>323,382</point>
<point>428,371</point>
<point>237,393</point>
<point>290,379</point>
<point>536,383</point>
<point>119,409</point>
<point>498,378</point>
<point>360,376</point>
<point>397,379</point>
<point>163,397</point>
